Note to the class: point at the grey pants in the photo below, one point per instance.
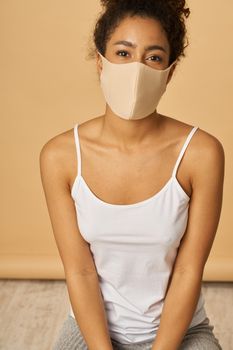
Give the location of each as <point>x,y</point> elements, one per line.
<point>200,337</point>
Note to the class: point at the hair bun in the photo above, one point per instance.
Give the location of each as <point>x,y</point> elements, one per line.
<point>178,6</point>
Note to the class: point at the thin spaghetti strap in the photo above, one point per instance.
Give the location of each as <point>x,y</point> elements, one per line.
<point>78,152</point>
<point>183,150</point>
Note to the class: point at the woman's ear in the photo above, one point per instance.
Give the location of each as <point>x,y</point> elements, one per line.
<point>99,62</point>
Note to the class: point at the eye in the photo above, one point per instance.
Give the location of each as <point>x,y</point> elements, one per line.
<point>120,52</point>
<point>157,58</point>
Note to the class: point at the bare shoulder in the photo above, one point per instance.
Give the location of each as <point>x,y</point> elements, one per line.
<point>58,152</point>
<point>208,145</point>
<point>208,157</point>
<point>57,142</point>
<point>204,144</point>
<point>205,153</point>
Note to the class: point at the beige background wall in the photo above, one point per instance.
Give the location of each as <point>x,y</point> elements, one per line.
<point>46,86</point>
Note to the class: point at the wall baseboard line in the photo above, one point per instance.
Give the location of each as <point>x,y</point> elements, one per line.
<point>50,267</point>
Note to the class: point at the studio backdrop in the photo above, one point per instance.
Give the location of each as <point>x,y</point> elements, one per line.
<point>47,84</point>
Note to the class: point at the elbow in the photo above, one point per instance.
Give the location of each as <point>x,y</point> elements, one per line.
<point>83,274</point>
<point>188,273</point>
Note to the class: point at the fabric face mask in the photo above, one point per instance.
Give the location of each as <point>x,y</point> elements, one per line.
<point>132,90</point>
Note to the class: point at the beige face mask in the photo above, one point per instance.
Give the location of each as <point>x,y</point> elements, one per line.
<point>132,90</point>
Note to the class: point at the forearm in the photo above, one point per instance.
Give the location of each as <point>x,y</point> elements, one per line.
<point>178,310</point>
<point>88,307</point>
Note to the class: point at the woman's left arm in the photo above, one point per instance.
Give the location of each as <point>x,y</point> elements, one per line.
<point>204,213</point>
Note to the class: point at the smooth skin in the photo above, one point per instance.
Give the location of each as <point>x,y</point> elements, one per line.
<point>124,162</point>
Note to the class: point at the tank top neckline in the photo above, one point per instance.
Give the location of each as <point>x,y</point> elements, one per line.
<point>173,179</point>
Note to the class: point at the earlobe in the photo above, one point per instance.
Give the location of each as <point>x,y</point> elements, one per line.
<point>99,63</point>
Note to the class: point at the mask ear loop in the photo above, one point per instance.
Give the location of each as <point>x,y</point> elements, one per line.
<point>101,56</point>
<point>169,69</point>
<point>171,65</point>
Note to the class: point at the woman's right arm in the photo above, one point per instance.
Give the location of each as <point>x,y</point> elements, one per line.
<point>80,272</point>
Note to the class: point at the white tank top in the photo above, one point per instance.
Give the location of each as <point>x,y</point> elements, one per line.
<point>134,247</point>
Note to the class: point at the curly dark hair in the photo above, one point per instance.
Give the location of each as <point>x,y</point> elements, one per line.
<point>170,13</point>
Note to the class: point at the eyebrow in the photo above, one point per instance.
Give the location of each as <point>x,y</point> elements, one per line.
<point>147,48</point>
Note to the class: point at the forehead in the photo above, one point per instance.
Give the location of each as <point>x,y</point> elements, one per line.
<point>141,31</point>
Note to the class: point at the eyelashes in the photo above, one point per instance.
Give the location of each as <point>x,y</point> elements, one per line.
<point>158,58</point>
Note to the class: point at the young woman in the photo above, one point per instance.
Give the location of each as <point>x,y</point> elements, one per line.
<point>135,196</point>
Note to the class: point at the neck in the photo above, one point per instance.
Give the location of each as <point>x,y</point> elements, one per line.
<point>128,134</point>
